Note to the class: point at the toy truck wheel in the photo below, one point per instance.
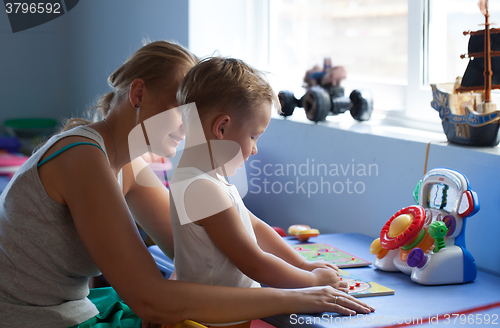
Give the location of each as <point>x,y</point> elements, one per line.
<point>361,105</point>
<point>317,104</point>
<point>288,102</point>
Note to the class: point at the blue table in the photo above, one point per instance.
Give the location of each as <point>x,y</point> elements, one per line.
<point>411,302</point>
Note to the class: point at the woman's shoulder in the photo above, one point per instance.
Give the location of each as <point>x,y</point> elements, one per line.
<point>75,156</point>
<point>81,135</point>
<point>84,133</point>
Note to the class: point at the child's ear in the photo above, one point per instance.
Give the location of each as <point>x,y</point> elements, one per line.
<point>220,125</point>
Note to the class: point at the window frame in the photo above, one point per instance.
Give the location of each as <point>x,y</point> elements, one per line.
<point>418,93</point>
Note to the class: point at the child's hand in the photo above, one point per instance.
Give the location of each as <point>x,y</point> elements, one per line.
<point>329,277</point>
<point>311,265</point>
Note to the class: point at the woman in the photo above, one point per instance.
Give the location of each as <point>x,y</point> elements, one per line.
<point>69,212</point>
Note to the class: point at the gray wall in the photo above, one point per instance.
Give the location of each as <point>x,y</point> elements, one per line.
<point>60,68</point>
<point>32,70</point>
<point>400,166</point>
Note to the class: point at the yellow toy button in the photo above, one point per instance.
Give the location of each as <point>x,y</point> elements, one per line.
<point>399,225</point>
<point>375,247</point>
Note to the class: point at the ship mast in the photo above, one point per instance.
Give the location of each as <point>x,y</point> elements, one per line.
<point>487,57</point>
<point>471,80</point>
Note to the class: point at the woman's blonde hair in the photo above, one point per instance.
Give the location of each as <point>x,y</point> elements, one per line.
<point>160,64</point>
<point>226,85</point>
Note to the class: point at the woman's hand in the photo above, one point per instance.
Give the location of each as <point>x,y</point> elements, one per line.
<point>311,265</point>
<point>329,277</point>
<point>325,299</point>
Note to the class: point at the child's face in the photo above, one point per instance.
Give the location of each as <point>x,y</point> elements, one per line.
<point>246,131</point>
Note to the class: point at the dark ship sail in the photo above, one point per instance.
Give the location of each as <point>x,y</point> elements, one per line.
<point>473,79</point>
<point>468,115</point>
<point>465,118</point>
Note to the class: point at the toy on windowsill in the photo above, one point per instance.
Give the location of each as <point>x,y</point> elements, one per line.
<point>302,232</point>
<point>469,117</point>
<point>325,96</point>
<point>427,241</point>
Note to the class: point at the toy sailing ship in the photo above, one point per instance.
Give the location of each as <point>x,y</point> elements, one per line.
<point>468,115</point>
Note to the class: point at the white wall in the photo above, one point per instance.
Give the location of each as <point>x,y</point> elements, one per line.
<point>400,165</point>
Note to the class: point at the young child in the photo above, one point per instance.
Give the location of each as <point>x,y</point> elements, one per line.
<point>217,240</point>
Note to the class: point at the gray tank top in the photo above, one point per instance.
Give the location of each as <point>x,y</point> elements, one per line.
<point>44,266</point>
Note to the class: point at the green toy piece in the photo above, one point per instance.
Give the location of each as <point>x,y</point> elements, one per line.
<point>417,240</point>
<point>416,191</point>
<point>437,231</point>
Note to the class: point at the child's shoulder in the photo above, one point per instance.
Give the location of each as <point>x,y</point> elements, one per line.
<point>206,186</point>
<point>189,175</point>
<point>195,183</point>
<point>203,194</point>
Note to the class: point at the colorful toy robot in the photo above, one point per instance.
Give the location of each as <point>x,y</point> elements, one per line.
<point>427,241</point>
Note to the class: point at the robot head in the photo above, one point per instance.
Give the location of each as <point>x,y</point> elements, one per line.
<point>446,196</point>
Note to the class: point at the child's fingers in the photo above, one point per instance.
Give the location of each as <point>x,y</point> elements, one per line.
<point>333,266</point>
<point>343,289</point>
<point>324,264</point>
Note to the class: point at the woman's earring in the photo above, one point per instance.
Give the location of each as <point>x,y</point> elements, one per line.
<point>137,114</point>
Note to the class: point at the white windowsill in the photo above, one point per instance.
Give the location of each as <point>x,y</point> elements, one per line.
<point>390,127</point>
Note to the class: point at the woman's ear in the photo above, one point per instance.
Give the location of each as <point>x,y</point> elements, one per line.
<point>220,125</point>
<point>136,92</point>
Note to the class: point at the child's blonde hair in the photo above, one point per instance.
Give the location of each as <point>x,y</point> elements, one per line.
<point>226,85</point>
<point>160,64</point>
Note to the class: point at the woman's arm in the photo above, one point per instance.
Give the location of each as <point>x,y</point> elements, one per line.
<point>109,234</point>
<point>150,207</point>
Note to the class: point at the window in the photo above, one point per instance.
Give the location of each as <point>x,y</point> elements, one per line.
<point>368,38</point>
<point>447,21</point>
<point>438,42</point>
<point>393,48</point>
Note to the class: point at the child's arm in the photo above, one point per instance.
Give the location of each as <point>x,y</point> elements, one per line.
<point>229,234</point>
<point>272,243</point>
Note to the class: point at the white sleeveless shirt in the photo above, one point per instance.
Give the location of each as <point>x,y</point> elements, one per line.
<point>196,257</point>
